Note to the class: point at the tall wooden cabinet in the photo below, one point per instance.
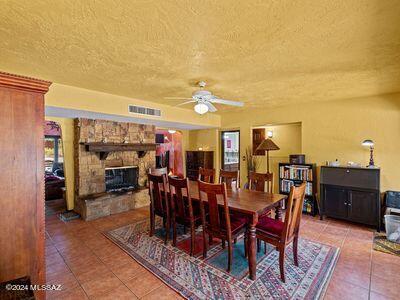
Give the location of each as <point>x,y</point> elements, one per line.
<point>196,160</point>
<point>22,178</point>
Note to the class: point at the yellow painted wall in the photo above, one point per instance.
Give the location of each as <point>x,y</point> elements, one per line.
<point>208,139</point>
<point>335,129</point>
<point>286,136</point>
<point>288,139</point>
<point>67,133</point>
<point>70,97</point>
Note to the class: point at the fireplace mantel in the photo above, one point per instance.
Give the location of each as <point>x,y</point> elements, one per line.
<point>103,149</point>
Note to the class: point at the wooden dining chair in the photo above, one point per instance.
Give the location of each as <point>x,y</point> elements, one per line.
<point>207,175</point>
<point>229,177</point>
<point>219,223</point>
<point>183,210</point>
<point>159,202</point>
<point>257,182</point>
<point>279,233</point>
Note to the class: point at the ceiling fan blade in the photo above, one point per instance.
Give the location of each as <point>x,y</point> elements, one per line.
<point>211,108</point>
<point>227,102</point>
<point>187,102</point>
<point>177,98</point>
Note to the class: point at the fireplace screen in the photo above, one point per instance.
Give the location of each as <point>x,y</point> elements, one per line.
<point>122,178</point>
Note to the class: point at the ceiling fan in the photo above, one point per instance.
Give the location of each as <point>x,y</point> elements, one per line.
<point>204,100</point>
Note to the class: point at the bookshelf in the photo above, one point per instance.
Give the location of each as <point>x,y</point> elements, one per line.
<point>295,174</point>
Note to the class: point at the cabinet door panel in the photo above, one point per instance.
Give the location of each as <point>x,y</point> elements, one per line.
<point>258,138</point>
<point>363,207</point>
<point>335,200</point>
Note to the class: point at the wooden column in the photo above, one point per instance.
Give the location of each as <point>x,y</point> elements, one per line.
<point>22,240</point>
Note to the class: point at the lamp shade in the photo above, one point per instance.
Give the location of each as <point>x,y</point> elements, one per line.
<point>268,145</point>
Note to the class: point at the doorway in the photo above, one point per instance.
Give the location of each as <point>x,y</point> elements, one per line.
<point>230,152</point>
<point>169,152</point>
<point>54,169</point>
<point>287,137</point>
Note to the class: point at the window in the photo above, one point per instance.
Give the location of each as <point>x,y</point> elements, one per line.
<point>53,153</point>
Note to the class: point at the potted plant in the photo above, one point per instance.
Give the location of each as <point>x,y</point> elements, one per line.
<point>252,163</point>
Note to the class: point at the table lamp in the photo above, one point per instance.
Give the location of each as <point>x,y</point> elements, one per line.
<point>267,145</point>
<point>370,144</point>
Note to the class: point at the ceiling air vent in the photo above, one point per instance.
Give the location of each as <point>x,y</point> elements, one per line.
<point>134,109</point>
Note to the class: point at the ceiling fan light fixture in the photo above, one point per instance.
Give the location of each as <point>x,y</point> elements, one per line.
<point>201,108</point>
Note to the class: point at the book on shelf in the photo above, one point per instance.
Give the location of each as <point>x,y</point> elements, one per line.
<point>286,184</point>
<point>296,172</point>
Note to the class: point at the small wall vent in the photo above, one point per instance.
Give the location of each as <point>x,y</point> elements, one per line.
<point>134,109</point>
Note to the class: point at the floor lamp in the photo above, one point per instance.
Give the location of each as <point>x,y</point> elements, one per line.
<point>268,145</point>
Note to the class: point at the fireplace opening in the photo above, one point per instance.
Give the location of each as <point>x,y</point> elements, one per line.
<point>122,178</point>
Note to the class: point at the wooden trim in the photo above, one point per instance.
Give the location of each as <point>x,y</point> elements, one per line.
<point>22,115</point>
<point>24,83</point>
<point>104,148</point>
<point>39,267</point>
<point>108,147</point>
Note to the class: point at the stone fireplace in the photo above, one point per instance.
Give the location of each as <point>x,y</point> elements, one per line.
<point>109,152</point>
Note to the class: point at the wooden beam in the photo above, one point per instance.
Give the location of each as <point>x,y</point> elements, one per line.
<point>103,149</point>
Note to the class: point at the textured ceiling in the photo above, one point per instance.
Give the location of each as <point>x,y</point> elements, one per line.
<point>265,53</point>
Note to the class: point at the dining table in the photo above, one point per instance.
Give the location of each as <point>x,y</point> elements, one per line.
<point>251,204</point>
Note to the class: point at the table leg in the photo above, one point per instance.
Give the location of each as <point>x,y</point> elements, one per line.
<point>252,250</point>
<point>278,212</point>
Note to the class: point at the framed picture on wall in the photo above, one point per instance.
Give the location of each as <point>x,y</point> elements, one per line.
<point>229,144</point>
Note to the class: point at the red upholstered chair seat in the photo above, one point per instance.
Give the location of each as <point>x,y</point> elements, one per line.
<point>270,226</point>
<point>237,223</point>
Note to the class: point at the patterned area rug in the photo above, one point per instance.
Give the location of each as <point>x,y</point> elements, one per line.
<point>384,245</point>
<point>195,278</point>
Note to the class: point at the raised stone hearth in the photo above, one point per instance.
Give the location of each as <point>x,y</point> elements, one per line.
<point>97,206</point>
<point>91,199</point>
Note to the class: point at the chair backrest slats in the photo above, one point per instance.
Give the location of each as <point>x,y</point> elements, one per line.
<point>257,182</point>
<point>207,175</point>
<point>158,192</point>
<point>179,192</point>
<point>209,194</point>
<point>229,177</point>
<point>294,211</point>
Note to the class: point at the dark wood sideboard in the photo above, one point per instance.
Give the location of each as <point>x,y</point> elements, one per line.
<point>197,159</point>
<point>351,194</point>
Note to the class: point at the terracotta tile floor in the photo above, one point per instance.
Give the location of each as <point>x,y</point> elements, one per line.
<point>88,265</point>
